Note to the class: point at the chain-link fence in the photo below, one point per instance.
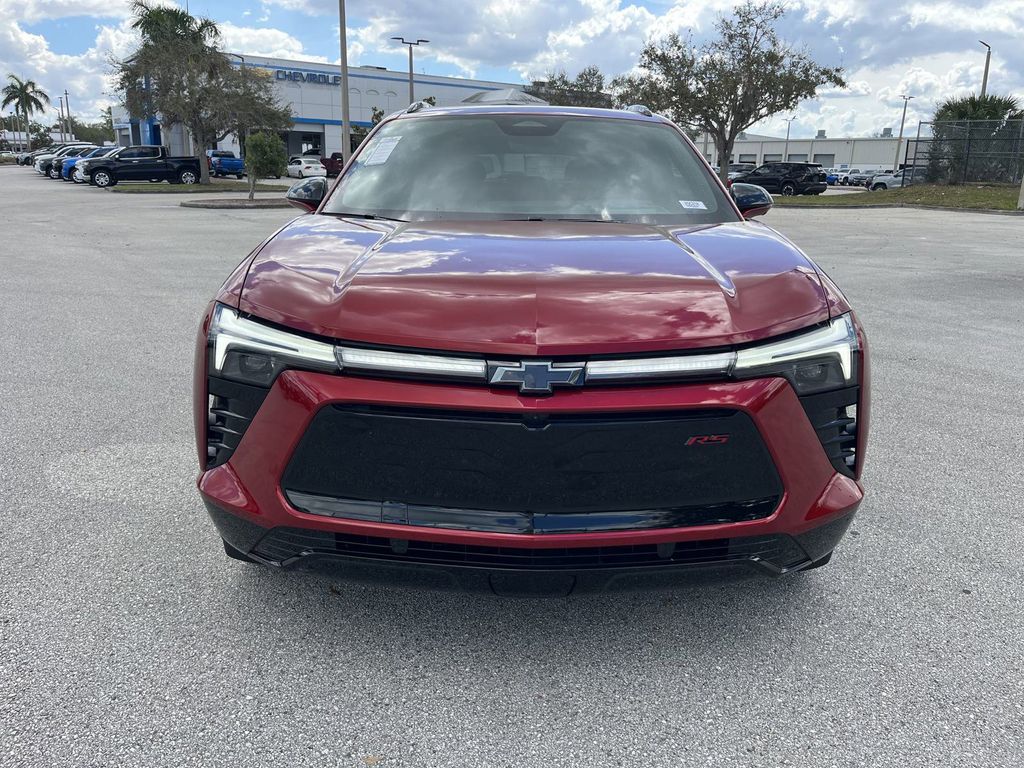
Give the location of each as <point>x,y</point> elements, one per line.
<point>958,151</point>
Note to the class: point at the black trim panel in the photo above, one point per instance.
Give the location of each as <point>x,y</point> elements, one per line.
<point>530,522</point>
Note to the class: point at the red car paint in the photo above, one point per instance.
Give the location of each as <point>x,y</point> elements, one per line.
<point>532,289</point>
<point>248,485</point>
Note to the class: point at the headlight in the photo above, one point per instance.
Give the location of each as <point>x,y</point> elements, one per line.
<point>814,361</point>
<point>820,360</point>
<point>253,353</point>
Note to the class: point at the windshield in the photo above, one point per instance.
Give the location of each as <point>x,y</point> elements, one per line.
<point>530,166</point>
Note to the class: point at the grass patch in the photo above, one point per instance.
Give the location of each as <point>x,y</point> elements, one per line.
<point>192,189</point>
<point>967,196</point>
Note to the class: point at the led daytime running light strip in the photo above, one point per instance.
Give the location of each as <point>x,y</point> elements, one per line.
<point>228,330</point>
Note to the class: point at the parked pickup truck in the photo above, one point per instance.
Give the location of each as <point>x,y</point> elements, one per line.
<point>143,163</point>
<point>223,164</point>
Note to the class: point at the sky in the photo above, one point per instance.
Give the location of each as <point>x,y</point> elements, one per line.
<point>928,49</point>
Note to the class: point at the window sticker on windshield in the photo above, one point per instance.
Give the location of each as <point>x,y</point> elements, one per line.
<point>383,150</point>
<point>693,205</point>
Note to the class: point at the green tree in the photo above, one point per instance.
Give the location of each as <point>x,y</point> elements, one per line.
<point>974,107</point>
<point>584,90</point>
<point>975,138</point>
<point>26,97</point>
<point>265,155</point>
<point>179,74</point>
<point>97,133</point>
<point>745,74</point>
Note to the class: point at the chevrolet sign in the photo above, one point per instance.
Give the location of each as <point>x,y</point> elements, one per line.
<point>307,77</point>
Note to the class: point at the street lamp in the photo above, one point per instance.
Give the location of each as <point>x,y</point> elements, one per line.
<point>785,152</point>
<point>410,43</point>
<point>984,79</point>
<point>899,141</point>
<point>346,127</point>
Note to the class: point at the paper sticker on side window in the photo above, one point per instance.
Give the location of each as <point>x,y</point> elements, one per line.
<point>380,153</point>
<point>693,205</point>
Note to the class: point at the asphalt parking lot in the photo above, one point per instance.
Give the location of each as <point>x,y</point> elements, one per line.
<point>127,638</point>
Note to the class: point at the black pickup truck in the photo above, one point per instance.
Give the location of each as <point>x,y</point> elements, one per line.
<point>142,163</point>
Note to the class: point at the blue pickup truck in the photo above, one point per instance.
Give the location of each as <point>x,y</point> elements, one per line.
<point>224,163</point>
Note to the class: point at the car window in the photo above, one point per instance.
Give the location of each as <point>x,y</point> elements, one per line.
<point>516,166</point>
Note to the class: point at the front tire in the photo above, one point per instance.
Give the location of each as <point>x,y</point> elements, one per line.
<point>103,179</point>
<point>53,173</point>
<point>879,188</point>
<point>788,189</point>
<point>187,177</point>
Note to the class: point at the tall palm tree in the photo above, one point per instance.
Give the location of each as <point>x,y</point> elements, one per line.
<point>27,98</point>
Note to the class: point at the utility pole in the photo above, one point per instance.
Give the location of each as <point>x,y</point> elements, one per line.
<point>60,119</point>
<point>67,108</point>
<point>984,79</point>
<point>899,141</point>
<point>346,126</point>
<point>410,43</point>
<point>785,152</point>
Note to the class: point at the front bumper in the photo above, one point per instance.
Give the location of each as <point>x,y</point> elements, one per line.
<point>255,515</point>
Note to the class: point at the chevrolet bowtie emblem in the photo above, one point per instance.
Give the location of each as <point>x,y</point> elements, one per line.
<point>536,378</point>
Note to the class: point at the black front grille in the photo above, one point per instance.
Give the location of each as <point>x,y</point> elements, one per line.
<point>834,417</point>
<point>533,463</point>
<point>284,544</point>
<point>232,407</point>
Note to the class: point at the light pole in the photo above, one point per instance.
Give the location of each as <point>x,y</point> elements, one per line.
<point>60,119</point>
<point>899,141</point>
<point>785,152</point>
<point>403,41</point>
<point>245,84</point>
<point>984,78</point>
<point>67,109</point>
<point>346,126</point>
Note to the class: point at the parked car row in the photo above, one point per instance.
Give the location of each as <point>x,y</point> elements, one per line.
<point>785,178</point>
<point>81,162</point>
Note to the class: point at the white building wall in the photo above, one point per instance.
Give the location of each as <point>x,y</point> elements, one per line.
<point>866,153</point>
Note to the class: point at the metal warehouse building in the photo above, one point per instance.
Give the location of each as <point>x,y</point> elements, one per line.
<point>313,91</point>
<point>830,153</point>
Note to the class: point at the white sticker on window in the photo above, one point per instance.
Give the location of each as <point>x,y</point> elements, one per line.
<point>693,205</point>
<point>380,154</point>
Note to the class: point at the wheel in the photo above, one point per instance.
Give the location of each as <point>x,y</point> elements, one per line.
<point>216,174</point>
<point>240,176</point>
<point>878,188</point>
<point>103,179</point>
<point>788,189</point>
<point>236,554</point>
<point>187,177</point>
<point>301,175</point>
<point>53,173</point>
<point>821,561</point>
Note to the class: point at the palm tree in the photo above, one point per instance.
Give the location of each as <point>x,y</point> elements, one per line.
<point>27,98</point>
<point>157,23</point>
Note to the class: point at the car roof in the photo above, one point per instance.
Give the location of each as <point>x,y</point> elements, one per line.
<point>528,109</point>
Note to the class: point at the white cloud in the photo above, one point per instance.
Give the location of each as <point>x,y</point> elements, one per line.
<point>264,41</point>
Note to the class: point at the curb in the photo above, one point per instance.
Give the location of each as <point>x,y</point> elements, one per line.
<point>990,211</point>
<point>237,203</point>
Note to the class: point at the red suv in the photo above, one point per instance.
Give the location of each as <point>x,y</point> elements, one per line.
<point>532,348</point>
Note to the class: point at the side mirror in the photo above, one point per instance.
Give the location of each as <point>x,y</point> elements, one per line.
<point>308,193</point>
<point>751,199</point>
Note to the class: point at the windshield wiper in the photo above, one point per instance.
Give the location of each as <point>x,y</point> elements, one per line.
<point>370,216</point>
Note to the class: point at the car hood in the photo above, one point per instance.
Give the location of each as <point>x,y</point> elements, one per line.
<point>533,288</point>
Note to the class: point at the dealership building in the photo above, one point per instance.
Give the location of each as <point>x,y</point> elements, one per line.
<point>313,91</point>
